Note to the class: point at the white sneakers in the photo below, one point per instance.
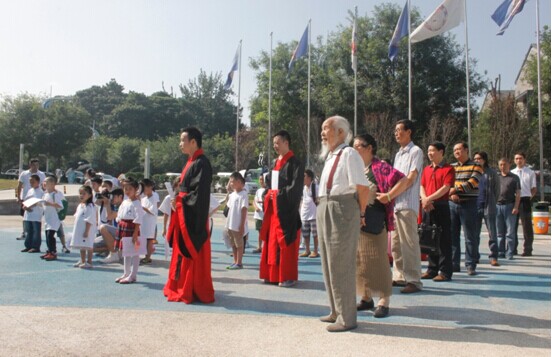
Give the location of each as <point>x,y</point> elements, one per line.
<point>113,257</point>
<point>83,265</point>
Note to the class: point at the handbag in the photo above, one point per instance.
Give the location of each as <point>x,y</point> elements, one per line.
<point>225,211</point>
<point>429,238</point>
<point>374,217</point>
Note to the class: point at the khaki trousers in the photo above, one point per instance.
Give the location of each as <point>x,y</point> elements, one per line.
<point>338,222</point>
<point>405,248</point>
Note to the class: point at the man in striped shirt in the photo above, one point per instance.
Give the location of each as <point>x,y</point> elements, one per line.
<point>463,208</point>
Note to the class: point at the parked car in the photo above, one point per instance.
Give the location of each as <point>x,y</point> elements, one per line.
<point>11,174</point>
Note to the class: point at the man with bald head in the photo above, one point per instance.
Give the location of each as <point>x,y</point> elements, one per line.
<point>344,193</point>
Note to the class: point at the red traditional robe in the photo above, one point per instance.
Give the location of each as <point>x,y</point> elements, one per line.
<point>281,229</point>
<point>188,234</point>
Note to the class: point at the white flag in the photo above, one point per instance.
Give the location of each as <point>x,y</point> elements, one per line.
<point>447,16</point>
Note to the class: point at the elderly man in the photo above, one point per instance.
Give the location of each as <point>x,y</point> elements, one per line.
<point>344,194</point>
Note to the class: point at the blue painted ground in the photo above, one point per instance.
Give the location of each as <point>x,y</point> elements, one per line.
<point>513,297</point>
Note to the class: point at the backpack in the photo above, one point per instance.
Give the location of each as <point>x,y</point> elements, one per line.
<point>62,213</point>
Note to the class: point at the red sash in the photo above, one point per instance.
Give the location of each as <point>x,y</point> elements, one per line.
<point>178,222</point>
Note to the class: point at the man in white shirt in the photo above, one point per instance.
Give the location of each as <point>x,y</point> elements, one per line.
<point>405,243</point>
<point>23,186</point>
<point>344,193</point>
<point>528,181</point>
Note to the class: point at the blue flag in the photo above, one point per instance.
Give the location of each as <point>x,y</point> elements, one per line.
<point>301,49</point>
<point>505,13</point>
<point>234,68</point>
<point>401,30</point>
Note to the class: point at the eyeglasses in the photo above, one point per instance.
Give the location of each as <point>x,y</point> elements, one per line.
<point>477,158</point>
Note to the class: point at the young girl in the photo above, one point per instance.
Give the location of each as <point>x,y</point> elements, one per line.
<point>84,230</point>
<point>129,217</point>
<point>148,229</point>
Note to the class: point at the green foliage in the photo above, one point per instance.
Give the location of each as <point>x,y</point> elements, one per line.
<point>438,83</point>
<point>220,151</point>
<point>205,104</point>
<point>545,91</point>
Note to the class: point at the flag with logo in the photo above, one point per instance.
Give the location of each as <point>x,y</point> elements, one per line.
<point>447,16</point>
<point>505,13</point>
<point>301,49</point>
<point>401,30</point>
<point>234,68</point>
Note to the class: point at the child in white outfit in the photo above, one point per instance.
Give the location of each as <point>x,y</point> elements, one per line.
<point>84,230</point>
<point>129,218</point>
<point>52,204</point>
<point>148,229</point>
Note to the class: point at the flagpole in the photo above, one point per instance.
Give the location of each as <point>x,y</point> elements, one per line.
<point>238,108</point>
<point>270,105</point>
<point>467,77</point>
<point>539,99</point>
<point>308,98</point>
<point>409,69</point>
<point>356,67</point>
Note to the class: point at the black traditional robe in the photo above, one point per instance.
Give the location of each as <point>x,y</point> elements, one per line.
<point>188,235</point>
<point>282,223</point>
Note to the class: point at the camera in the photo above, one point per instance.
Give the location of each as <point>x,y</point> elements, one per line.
<point>104,194</point>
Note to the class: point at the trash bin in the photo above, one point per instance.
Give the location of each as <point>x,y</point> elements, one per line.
<point>541,217</point>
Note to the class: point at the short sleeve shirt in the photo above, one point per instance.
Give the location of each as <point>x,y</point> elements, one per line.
<point>408,159</point>
<point>237,201</point>
<point>24,178</point>
<point>348,174</point>
<point>527,178</point>
<point>259,201</point>
<point>508,185</point>
<point>433,178</point>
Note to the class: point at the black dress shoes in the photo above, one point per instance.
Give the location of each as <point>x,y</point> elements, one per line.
<point>365,305</point>
<point>381,311</point>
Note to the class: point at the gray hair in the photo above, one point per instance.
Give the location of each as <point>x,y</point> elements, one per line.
<point>339,122</point>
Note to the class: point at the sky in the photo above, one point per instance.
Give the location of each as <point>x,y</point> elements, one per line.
<point>58,47</point>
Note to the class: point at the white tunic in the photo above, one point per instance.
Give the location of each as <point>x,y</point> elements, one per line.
<point>85,214</point>
<point>51,219</point>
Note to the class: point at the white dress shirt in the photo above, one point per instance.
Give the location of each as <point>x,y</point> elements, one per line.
<point>348,174</point>
<point>527,178</point>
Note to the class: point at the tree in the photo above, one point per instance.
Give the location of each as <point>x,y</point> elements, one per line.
<point>205,104</point>
<point>545,88</point>
<point>57,132</point>
<point>100,101</point>
<point>439,89</point>
<point>502,129</point>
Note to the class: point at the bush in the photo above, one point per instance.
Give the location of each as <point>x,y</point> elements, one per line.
<point>135,175</point>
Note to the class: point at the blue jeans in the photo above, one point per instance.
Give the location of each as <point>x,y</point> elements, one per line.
<point>505,228</point>
<point>490,223</point>
<point>463,215</point>
<point>33,234</point>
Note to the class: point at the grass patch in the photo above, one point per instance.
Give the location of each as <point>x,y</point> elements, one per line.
<point>8,184</point>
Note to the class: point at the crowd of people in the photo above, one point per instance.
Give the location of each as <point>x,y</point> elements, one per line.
<point>360,209</point>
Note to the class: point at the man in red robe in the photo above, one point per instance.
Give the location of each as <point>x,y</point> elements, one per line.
<point>188,233</point>
<point>282,223</point>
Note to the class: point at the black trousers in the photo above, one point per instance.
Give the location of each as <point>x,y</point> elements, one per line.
<point>51,241</point>
<point>526,223</point>
<point>441,261</point>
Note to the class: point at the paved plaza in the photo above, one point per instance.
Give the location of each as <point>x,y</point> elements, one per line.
<point>51,309</point>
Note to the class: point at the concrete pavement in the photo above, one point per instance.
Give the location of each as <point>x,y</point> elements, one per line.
<point>51,309</point>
